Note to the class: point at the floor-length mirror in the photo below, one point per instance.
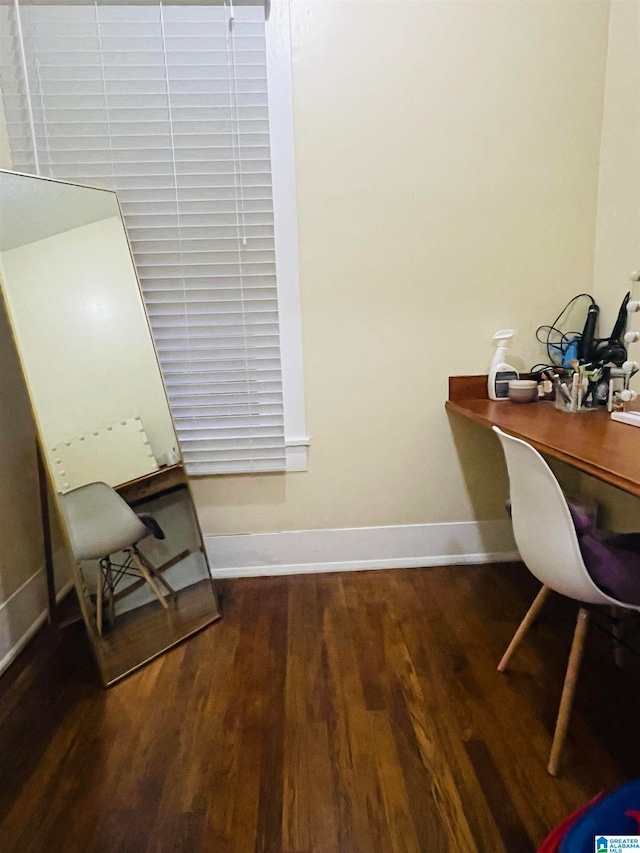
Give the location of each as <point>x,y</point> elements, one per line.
<point>106,434</point>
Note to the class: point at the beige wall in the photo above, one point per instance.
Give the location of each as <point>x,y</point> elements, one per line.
<point>617,244</point>
<point>447,168</point>
<point>617,247</point>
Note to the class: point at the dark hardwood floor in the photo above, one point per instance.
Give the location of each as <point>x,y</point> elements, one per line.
<point>322,714</point>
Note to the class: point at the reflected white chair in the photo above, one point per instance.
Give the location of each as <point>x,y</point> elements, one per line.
<point>101,524</point>
<point>548,544</point>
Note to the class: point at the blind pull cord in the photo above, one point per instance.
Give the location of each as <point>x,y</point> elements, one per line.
<point>235,118</point>
<point>27,88</point>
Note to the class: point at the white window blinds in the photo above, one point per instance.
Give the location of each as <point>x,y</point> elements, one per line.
<point>168,106</point>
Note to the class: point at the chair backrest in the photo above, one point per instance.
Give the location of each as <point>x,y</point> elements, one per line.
<point>542,524</point>
<point>99,522</point>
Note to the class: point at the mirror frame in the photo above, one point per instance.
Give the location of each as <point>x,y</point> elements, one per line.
<point>48,487</point>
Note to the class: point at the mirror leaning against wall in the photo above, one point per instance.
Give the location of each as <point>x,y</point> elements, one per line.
<point>105,430</point>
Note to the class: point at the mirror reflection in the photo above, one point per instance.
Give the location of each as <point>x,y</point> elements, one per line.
<point>106,434</point>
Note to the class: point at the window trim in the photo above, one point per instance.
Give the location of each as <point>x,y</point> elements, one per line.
<point>283,176</point>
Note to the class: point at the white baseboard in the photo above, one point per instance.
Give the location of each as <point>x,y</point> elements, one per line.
<point>355,549</point>
<point>296,552</point>
<point>23,613</point>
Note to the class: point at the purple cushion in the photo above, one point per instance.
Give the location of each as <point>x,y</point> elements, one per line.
<point>614,564</point>
<point>612,559</point>
<point>581,520</point>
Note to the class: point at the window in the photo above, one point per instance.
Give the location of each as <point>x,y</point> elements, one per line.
<point>186,112</point>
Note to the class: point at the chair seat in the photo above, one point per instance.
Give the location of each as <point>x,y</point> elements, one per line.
<point>100,522</point>
<point>611,559</point>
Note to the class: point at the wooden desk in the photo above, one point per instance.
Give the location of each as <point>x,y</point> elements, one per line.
<point>589,441</point>
<point>157,483</point>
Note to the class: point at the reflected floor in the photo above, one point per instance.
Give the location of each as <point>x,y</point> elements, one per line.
<point>148,631</point>
<point>144,633</point>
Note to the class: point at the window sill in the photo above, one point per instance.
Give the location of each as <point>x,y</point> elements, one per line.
<point>296,453</point>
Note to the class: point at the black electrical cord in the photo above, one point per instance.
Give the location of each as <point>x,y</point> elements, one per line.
<point>540,367</point>
<point>563,339</point>
<point>608,350</point>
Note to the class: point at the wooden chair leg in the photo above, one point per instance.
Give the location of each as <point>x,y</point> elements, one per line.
<point>527,622</point>
<point>99,600</point>
<point>569,689</point>
<point>112,604</point>
<point>155,574</point>
<point>144,571</point>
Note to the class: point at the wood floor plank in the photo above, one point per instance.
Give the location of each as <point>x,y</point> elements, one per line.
<point>497,796</point>
<point>394,794</point>
<point>296,806</point>
<point>446,795</point>
<point>439,664</point>
<point>268,726</point>
<point>345,713</point>
<point>323,832</point>
<point>361,823</point>
<point>365,620</point>
<point>258,711</point>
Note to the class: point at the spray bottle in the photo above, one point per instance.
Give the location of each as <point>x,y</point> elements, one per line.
<point>500,371</point>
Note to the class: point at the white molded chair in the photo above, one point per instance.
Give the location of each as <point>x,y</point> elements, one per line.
<point>548,544</point>
<point>100,523</point>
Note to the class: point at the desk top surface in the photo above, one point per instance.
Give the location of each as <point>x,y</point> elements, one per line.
<point>589,441</point>
<point>150,485</point>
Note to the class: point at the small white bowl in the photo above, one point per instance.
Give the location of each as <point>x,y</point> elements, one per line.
<point>523,390</point>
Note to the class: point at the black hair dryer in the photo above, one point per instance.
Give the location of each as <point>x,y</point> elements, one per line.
<point>587,340</point>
